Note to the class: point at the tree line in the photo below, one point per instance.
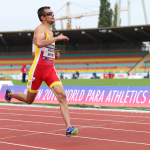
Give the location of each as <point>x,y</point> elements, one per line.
<point>106,14</point>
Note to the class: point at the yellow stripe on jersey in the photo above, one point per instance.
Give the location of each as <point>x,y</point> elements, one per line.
<point>37,50</point>
<point>54,83</point>
<point>32,91</point>
<point>48,36</point>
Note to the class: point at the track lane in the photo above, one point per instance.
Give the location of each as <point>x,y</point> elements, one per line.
<point>92,131</point>
<point>140,125</point>
<point>61,142</point>
<point>97,131</point>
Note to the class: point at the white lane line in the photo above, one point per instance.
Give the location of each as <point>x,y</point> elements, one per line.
<point>38,122</point>
<point>115,141</point>
<point>26,146</point>
<point>79,126</point>
<point>81,113</point>
<point>98,120</point>
<point>82,137</point>
<point>77,108</point>
<point>122,130</point>
<point>44,116</point>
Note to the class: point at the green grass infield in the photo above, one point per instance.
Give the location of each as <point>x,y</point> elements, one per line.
<point>97,82</point>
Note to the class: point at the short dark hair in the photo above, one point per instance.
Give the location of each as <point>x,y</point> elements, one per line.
<point>41,11</point>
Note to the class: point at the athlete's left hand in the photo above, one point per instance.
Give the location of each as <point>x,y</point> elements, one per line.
<point>57,54</point>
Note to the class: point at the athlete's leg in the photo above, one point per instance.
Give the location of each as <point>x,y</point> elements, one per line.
<point>32,89</point>
<point>59,92</point>
<point>56,86</point>
<point>29,98</point>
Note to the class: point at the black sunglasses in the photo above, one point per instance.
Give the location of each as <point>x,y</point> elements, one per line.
<point>49,14</point>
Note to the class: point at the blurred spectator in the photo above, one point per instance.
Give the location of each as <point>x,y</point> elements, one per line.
<point>95,76</point>
<point>147,75</point>
<point>77,73</point>
<point>128,74</point>
<point>109,75</point>
<point>73,75</point>
<point>61,75</point>
<point>23,70</point>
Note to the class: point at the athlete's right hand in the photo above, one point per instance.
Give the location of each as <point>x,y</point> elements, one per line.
<point>62,37</point>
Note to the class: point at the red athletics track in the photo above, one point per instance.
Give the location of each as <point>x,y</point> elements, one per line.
<point>27,128</point>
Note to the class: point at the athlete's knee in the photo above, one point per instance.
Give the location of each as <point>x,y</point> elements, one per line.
<point>30,97</point>
<point>62,96</point>
<point>29,101</point>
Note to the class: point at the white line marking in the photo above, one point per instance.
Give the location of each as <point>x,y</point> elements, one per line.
<point>115,141</point>
<point>109,120</point>
<point>77,108</point>
<point>44,116</point>
<point>25,145</point>
<point>78,126</point>
<point>122,130</point>
<point>32,121</point>
<point>79,113</point>
<point>88,138</point>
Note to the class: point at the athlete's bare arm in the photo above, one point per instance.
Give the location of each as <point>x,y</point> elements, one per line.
<point>57,54</point>
<point>39,37</point>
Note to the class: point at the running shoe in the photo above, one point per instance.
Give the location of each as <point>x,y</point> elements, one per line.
<point>71,131</point>
<point>6,95</point>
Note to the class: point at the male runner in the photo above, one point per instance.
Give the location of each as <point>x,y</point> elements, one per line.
<point>43,69</point>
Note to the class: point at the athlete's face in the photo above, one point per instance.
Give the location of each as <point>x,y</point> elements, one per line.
<point>49,16</point>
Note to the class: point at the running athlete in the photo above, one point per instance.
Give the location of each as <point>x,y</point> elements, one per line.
<point>43,69</point>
